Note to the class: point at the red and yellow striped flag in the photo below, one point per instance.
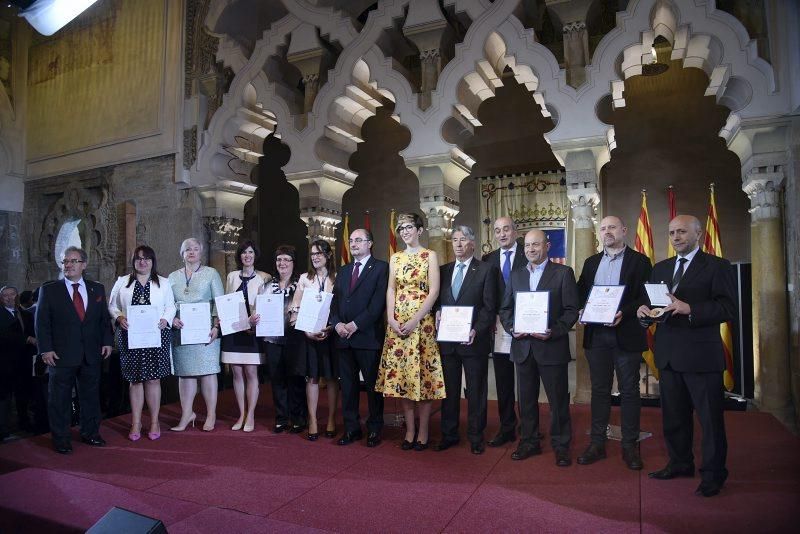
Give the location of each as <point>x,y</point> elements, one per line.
<point>644,244</point>
<point>392,234</point>
<point>367,222</point>
<point>713,246</point>
<point>672,214</point>
<point>344,253</point>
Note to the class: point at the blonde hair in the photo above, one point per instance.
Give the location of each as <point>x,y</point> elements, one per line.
<point>187,242</point>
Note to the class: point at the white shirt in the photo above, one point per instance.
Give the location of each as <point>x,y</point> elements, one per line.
<point>464,270</point>
<point>81,290</point>
<point>513,250</point>
<point>689,257</point>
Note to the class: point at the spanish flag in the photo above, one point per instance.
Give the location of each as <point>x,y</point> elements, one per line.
<point>392,234</point>
<point>345,250</point>
<point>644,244</point>
<point>672,214</point>
<point>713,246</point>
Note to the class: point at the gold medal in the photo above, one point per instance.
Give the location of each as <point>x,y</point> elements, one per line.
<point>186,291</point>
<point>656,313</point>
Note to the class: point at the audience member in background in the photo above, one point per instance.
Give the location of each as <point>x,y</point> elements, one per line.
<point>196,364</point>
<point>143,368</point>
<point>18,343</point>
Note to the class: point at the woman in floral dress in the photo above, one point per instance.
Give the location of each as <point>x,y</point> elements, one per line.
<point>411,366</point>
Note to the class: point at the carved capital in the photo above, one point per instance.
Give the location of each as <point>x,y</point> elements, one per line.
<point>583,201</point>
<point>430,55</point>
<point>440,215</point>
<point>223,233</point>
<point>762,186</point>
<point>573,27</point>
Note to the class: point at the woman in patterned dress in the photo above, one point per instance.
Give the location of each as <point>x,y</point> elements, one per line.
<point>411,366</point>
<point>243,351</point>
<point>195,364</point>
<point>320,359</point>
<point>143,368</point>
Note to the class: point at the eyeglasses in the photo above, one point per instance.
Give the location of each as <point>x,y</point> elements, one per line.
<point>144,259</point>
<point>358,240</point>
<point>71,262</point>
<point>313,254</point>
<point>283,260</point>
<point>406,228</point>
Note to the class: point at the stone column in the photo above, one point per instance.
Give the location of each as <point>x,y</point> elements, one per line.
<point>321,193</point>
<point>427,28</point>
<point>770,315</point>
<point>583,201</point>
<point>576,52</point>
<point>223,237</point>
<point>431,63</point>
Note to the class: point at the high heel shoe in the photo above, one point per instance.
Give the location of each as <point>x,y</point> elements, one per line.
<point>249,426</point>
<point>237,426</point>
<point>152,436</point>
<point>419,446</point>
<point>134,436</point>
<point>313,437</point>
<point>330,432</point>
<point>180,428</point>
<point>207,427</point>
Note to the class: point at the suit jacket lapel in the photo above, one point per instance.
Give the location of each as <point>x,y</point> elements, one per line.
<point>695,267</point>
<point>627,265</point>
<point>547,275</point>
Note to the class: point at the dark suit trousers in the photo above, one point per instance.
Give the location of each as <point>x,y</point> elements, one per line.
<point>59,405</point>
<point>703,391</point>
<point>476,372</point>
<point>604,358</point>
<point>351,361</point>
<point>556,386</point>
<point>23,386</point>
<point>288,392</point>
<point>504,383</point>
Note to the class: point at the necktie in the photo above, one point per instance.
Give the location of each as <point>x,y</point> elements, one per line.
<point>678,274</point>
<point>77,301</point>
<point>507,266</point>
<point>354,278</point>
<point>456,287</point>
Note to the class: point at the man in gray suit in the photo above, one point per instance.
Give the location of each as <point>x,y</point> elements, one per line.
<point>543,356</point>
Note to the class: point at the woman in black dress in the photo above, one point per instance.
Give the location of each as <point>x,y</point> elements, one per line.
<point>143,368</point>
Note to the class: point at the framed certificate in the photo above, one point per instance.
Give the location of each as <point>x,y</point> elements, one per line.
<point>531,311</point>
<point>455,324</point>
<point>270,308</point>
<point>502,339</point>
<point>143,331</point>
<point>312,317</point>
<point>196,319</point>
<point>602,304</point>
<point>232,313</point>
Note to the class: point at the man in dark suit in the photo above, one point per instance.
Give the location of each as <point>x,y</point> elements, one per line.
<point>690,356</point>
<point>19,347</point>
<point>617,346</point>
<point>73,329</point>
<point>467,282</point>
<point>506,258</point>
<point>359,301</point>
<point>543,356</point>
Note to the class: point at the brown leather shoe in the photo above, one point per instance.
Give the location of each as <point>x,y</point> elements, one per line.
<point>594,452</point>
<point>632,458</point>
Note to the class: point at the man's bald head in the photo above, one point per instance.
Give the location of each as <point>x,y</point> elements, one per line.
<point>536,246</point>
<point>684,233</point>
<point>505,232</point>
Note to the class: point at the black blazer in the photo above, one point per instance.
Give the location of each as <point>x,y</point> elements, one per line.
<point>365,304</point>
<point>634,273</point>
<point>12,347</point>
<point>493,258</point>
<point>478,290</point>
<point>59,329</point>
<point>692,343</point>
<point>560,281</point>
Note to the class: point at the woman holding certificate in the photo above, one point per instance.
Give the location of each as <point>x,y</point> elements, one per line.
<point>320,360</point>
<point>243,350</point>
<point>411,366</point>
<point>195,352</point>
<point>286,353</point>
<point>143,298</point>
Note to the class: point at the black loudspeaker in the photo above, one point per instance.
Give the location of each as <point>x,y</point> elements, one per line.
<point>121,521</point>
<point>743,373</point>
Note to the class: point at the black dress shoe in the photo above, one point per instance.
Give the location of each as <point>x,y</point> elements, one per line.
<point>373,439</point>
<point>593,452</point>
<point>297,429</point>
<point>406,445</point>
<point>563,458</point>
<point>526,450</point>
<point>502,438</point>
<point>673,471</point>
<point>445,444</point>
<point>632,458</point>
<point>708,488</point>
<point>62,447</point>
<point>350,437</point>
<point>477,448</point>
<point>419,446</point>
<point>277,429</point>
<point>94,441</point>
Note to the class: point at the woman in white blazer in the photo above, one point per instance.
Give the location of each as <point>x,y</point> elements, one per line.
<point>243,351</point>
<point>143,367</point>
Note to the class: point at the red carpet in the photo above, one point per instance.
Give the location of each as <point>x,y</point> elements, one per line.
<point>228,482</point>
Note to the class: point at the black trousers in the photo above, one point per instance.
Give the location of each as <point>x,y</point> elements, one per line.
<point>504,383</point>
<point>604,358</point>
<point>23,386</point>
<point>351,361</point>
<point>680,394</point>
<point>288,391</point>
<point>59,405</point>
<point>556,386</point>
<point>476,372</point>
